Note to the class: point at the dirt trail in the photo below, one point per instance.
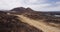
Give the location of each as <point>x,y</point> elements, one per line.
<point>38,24</point>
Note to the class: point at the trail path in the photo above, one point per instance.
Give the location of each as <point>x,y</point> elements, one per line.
<point>38,24</point>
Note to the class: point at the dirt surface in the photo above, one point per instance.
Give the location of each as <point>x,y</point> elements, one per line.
<point>38,24</point>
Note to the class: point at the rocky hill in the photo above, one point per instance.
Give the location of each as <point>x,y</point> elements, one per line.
<point>21,10</point>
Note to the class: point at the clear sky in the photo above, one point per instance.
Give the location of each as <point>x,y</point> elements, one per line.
<point>38,5</point>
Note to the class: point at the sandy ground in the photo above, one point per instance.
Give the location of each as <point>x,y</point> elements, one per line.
<point>38,24</point>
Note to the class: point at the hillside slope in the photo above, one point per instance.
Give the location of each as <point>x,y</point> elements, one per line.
<point>11,23</point>
<point>38,24</point>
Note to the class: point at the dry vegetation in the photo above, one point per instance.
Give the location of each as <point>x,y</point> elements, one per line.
<point>49,19</point>
<point>40,16</point>
<point>10,23</point>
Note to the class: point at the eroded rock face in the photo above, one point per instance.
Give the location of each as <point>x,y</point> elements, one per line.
<point>9,23</point>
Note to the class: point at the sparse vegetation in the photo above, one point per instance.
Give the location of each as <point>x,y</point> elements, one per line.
<point>10,23</point>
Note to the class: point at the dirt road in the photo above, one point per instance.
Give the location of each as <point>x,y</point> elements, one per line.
<point>38,24</point>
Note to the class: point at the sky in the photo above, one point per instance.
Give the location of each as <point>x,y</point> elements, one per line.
<point>37,5</point>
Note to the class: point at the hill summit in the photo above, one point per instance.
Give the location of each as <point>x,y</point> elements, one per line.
<point>22,9</point>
